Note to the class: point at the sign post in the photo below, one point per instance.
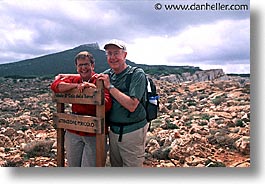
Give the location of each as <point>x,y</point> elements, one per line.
<point>83,123</point>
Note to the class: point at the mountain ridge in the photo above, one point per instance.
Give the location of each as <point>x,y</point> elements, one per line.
<point>63,62</point>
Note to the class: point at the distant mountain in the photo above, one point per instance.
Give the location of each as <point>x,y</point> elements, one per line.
<point>63,62</point>
<point>52,64</point>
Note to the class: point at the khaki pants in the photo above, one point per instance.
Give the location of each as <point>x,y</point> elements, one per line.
<point>130,151</point>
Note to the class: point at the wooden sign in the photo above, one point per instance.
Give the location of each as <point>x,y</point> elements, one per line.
<point>88,96</point>
<point>83,123</point>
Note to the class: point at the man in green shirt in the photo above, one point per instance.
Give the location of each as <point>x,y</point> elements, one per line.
<point>128,125</point>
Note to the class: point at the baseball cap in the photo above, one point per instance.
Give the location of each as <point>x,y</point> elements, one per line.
<point>119,43</point>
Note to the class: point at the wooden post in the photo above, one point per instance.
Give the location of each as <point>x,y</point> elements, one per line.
<point>60,139</point>
<point>83,123</point>
<point>101,138</point>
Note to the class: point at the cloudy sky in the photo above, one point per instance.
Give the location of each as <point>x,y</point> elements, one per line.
<point>154,33</point>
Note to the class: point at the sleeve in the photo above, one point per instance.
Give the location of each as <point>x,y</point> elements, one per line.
<point>55,84</point>
<point>138,84</point>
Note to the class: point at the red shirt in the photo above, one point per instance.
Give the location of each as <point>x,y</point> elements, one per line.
<point>83,109</point>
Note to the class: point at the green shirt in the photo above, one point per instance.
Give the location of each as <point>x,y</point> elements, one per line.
<point>119,114</point>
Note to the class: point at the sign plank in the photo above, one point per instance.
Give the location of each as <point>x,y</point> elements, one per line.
<point>88,96</point>
<point>81,123</point>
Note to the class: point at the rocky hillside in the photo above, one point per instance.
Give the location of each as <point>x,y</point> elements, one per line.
<point>198,76</point>
<point>200,124</point>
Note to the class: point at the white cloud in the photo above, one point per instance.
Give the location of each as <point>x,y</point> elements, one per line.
<point>14,33</point>
<point>223,41</point>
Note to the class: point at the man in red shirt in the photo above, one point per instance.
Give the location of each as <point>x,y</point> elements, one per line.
<point>81,146</point>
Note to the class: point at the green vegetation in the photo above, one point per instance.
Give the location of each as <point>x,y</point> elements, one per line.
<point>239,75</point>
<point>191,102</point>
<point>206,117</point>
<point>239,123</point>
<point>218,100</point>
<point>170,125</point>
<point>166,70</point>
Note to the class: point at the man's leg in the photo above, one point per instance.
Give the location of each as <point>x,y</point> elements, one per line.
<point>74,149</point>
<point>89,153</point>
<point>115,158</point>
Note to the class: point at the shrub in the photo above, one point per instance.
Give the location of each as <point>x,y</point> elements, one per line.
<point>240,123</point>
<point>206,117</point>
<point>218,101</point>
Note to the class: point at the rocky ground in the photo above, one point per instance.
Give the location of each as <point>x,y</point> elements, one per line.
<point>200,124</point>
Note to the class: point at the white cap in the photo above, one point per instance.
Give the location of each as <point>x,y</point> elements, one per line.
<point>119,43</point>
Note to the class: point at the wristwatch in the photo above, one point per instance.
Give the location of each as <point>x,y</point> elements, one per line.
<point>111,86</point>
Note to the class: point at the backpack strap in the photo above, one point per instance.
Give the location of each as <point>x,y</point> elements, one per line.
<point>109,72</point>
<point>129,77</point>
<point>121,125</point>
<point>149,89</point>
<point>128,82</point>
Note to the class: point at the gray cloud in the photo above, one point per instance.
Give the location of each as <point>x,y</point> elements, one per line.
<point>34,29</point>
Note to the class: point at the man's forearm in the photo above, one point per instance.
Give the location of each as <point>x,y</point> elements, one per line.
<point>62,87</point>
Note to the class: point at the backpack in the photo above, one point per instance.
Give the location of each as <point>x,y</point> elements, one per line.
<point>151,99</point>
